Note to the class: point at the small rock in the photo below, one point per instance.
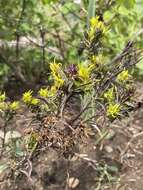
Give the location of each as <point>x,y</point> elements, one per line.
<point>12,135</point>
<point>1,134</point>
<point>108,149</point>
<point>1,143</point>
<point>73,159</point>
<point>3,167</point>
<point>73,182</point>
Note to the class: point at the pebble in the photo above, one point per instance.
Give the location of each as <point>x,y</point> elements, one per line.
<point>108,149</point>
<point>1,134</point>
<point>11,135</point>
<point>73,182</point>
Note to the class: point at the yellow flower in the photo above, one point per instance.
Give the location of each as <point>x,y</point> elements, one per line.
<point>97,60</point>
<point>93,59</point>
<point>2,97</point>
<point>14,105</point>
<point>58,81</point>
<point>113,110</point>
<point>123,76</point>
<point>84,71</point>
<point>3,106</point>
<point>95,24</point>
<point>94,21</point>
<point>55,67</point>
<point>34,101</point>
<point>45,107</point>
<point>109,95</point>
<point>27,97</point>
<point>53,91</point>
<point>58,74</point>
<point>43,92</point>
<point>91,33</point>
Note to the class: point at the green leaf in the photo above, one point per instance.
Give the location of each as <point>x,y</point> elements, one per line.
<point>18,150</point>
<point>48,1</point>
<point>110,135</point>
<point>91,10</point>
<point>140,66</point>
<point>67,7</point>
<point>129,4</point>
<point>112,168</point>
<point>3,167</point>
<point>108,15</point>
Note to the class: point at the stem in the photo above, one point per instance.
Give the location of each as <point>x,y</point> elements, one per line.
<point>18,25</point>
<point>91,11</point>
<point>3,140</point>
<point>42,33</point>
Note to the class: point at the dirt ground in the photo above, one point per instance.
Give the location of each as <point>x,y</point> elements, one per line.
<point>116,163</point>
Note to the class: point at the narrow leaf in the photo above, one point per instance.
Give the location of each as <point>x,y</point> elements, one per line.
<point>91,11</point>
<point>3,167</point>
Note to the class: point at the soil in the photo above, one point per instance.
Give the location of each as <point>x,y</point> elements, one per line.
<point>116,163</point>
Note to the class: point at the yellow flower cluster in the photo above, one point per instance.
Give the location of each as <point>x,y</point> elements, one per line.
<point>14,105</point>
<point>2,97</point>
<point>93,59</point>
<point>109,95</point>
<point>3,105</point>
<point>9,106</point>
<point>34,101</point>
<point>43,92</point>
<point>28,98</point>
<point>95,24</point>
<point>84,71</point>
<point>113,110</point>
<point>57,73</point>
<point>97,59</point>
<point>123,76</point>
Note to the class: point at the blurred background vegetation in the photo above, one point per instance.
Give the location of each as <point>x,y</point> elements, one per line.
<point>35,32</point>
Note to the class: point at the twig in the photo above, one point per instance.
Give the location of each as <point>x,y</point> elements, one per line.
<point>64,102</point>
<point>81,112</point>
<point>42,33</point>
<point>61,45</point>
<point>18,25</point>
<point>131,140</point>
<point>28,174</point>
<point>3,140</point>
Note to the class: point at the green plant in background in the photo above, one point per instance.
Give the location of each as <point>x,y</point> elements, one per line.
<point>125,20</point>
<point>33,34</point>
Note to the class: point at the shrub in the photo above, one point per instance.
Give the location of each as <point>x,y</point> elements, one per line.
<point>101,89</point>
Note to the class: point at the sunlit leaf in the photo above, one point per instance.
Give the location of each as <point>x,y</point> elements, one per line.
<point>3,167</point>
